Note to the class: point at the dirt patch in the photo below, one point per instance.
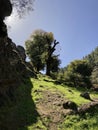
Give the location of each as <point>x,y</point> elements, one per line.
<point>53,107</point>
<point>51,110</point>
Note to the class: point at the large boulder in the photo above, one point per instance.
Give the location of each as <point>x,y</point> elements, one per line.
<point>70,105</point>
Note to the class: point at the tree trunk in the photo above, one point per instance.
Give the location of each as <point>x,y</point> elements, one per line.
<point>48,68</point>
<point>51,49</point>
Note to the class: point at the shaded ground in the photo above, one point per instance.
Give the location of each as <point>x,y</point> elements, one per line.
<point>21,112</point>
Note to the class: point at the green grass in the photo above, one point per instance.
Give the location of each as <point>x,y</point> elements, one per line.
<point>73,122</point>
<point>48,84</point>
<point>76,122</point>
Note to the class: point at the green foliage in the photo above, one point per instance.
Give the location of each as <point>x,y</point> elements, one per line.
<point>81,67</point>
<point>77,73</point>
<point>55,63</point>
<point>94,76</point>
<point>40,48</point>
<point>35,49</point>
<point>92,59</point>
<point>76,122</point>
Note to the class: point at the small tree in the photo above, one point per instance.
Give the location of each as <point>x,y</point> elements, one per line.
<point>40,48</point>
<point>78,73</point>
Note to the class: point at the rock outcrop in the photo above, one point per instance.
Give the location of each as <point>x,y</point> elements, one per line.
<point>13,67</point>
<point>70,105</point>
<point>5,8</point>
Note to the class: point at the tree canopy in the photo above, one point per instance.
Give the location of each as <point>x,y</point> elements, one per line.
<point>77,73</point>
<point>40,49</point>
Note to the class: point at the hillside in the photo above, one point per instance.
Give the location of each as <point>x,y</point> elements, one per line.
<point>49,99</point>
<point>39,105</point>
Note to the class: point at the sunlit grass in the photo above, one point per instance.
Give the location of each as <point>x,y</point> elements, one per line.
<point>76,122</point>
<point>74,95</point>
<point>73,122</point>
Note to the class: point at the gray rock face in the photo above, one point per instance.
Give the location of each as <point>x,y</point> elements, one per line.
<point>12,69</point>
<point>12,59</point>
<point>21,51</point>
<point>7,77</point>
<point>16,58</point>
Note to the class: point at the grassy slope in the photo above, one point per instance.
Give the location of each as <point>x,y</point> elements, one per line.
<point>74,122</point>
<point>22,112</point>
<point>65,90</point>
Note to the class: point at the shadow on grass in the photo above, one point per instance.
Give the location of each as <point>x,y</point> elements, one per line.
<point>21,112</point>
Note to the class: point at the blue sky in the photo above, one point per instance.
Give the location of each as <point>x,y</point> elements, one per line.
<point>74,24</point>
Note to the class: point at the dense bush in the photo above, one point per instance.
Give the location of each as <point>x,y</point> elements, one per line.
<point>76,74</point>
<point>92,59</point>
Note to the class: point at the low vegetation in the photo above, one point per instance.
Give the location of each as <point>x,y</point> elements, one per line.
<point>45,85</point>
